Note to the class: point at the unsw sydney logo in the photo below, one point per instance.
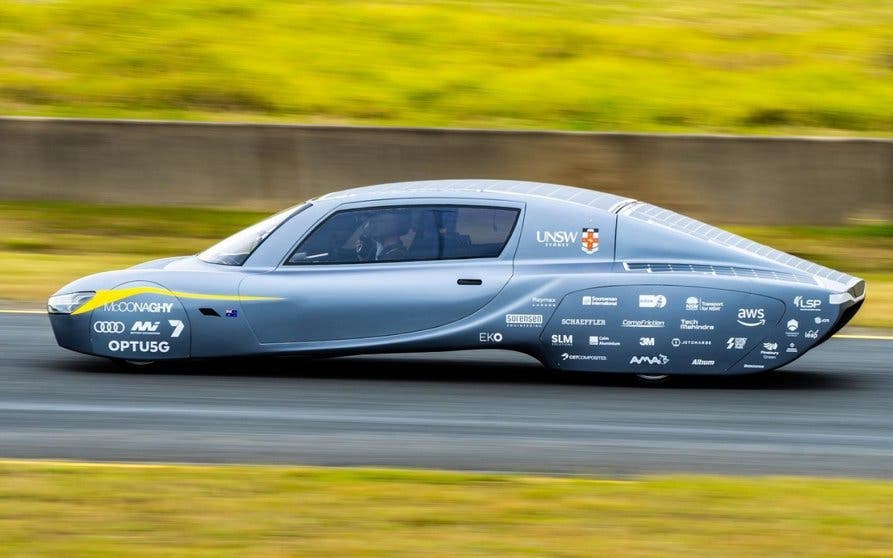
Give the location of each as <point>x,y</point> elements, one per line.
<point>588,239</point>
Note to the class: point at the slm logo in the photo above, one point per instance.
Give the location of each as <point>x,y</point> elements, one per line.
<point>751,317</point>
<point>562,339</point>
<point>589,240</point>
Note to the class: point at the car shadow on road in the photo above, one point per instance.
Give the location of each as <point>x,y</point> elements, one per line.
<point>449,369</point>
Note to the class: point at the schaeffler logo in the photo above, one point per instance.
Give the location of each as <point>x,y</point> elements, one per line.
<point>808,304</point>
<point>751,317</point>
<point>658,360</point>
<point>652,301</point>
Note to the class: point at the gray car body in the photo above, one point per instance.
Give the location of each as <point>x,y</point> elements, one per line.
<point>662,294</point>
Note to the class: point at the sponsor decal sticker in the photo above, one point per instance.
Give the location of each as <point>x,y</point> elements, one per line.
<point>133,306</point>
<point>599,300</point>
<point>792,327</point>
<point>642,323</point>
<point>695,325</point>
<point>697,304</point>
<point>523,320</point>
<point>602,341</point>
<point>676,342</point>
<point>811,334</point>
<point>736,343</point>
<point>567,356</point>
<point>703,362</point>
<point>755,366</point>
<point>752,317</point>
<point>654,360</point>
<point>652,301</point>
<point>556,239</point>
<point>108,327</point>
<point>646,341</point>
<point>769,350</point>
<point>562,340</point>
<point>145,328</point>
<point>231,313</point>
<point>582,321</point>
<point>139,346</point>
<point>543,301</point>
<point>486,337</point>
<point>808,304</point>
<point>820,320</point>
<point>791,348</point>
<point>178,327</point>
<point>589,240</point>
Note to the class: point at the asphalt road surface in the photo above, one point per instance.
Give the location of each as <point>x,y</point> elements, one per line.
<point>830,413</point>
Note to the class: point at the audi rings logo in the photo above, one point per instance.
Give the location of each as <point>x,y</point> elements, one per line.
<point>108,327</point>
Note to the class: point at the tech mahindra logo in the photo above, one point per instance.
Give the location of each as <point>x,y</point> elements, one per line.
<point>751,317</point>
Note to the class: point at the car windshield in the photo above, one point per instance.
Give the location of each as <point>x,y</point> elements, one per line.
<point>235,249</point>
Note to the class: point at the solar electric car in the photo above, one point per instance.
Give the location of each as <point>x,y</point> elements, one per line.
<point>579,279</point>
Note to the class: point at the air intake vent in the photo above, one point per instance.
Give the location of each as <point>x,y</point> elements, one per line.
<point>718,270</point>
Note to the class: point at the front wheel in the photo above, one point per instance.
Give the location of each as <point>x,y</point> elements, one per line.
<point>129,364</point>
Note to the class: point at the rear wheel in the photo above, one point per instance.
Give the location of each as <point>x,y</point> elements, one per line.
<point>653,378</point>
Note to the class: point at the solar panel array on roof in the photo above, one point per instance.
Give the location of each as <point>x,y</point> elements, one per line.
<point>516,188</point>
<point>680,223</point>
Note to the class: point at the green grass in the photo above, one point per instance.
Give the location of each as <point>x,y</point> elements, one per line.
<point>52,243</point>
<point>755,66</point>
<point>62,509</point>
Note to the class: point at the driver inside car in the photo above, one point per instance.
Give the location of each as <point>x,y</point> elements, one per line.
<point>380,238</point>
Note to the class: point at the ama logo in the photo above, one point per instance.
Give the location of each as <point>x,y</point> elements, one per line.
<point>751,317</point>
<point>658,360</point>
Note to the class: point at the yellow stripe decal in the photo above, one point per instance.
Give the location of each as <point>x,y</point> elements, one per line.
<point>107,297</point>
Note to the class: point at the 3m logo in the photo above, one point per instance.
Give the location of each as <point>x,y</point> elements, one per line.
<point>144,327</point>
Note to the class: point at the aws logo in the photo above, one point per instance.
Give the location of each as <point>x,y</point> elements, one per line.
<point>751,317</point>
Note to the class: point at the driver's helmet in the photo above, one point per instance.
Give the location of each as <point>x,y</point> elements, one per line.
<point>388,224</point>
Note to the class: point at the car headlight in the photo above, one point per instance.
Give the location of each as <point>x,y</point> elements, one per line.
<point>68,303</point>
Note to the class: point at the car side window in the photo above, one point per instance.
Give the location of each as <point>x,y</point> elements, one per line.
<point>408,233</point>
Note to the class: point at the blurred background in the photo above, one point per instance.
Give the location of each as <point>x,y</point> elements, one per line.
<point>771,117</point>
<point>135,129</point>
